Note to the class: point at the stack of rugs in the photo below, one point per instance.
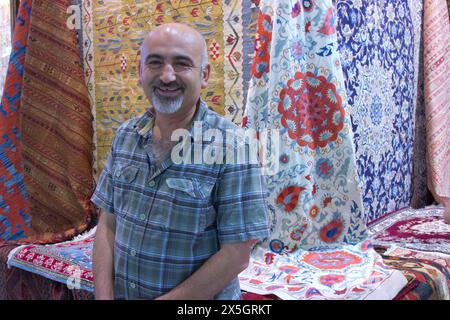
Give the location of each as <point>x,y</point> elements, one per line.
<point>414,242</point>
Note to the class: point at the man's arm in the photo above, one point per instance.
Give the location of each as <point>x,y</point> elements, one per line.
<point>103,257</point>
<point>215,274</point>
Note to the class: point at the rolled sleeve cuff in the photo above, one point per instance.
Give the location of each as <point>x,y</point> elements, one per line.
<point>227,237</point>
<point>101,202</point>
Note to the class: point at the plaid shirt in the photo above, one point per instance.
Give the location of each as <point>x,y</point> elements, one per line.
<point>171,218</point>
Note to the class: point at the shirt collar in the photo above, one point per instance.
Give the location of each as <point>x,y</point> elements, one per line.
<point>146,122</point>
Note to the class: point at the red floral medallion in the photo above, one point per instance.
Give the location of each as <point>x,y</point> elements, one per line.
<point>311,110</point>
<point>331,260</point>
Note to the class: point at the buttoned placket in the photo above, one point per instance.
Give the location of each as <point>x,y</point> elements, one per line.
<point>154,171</point>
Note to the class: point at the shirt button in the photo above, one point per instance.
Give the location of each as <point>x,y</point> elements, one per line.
<point>132,285</point>
<point>133,253</point>
<point>143,216</point>
<point>151,183</point>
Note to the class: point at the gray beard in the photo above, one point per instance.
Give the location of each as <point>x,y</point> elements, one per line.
<point>166,105</point>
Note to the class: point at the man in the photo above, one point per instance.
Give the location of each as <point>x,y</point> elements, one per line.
<point>167,230</point>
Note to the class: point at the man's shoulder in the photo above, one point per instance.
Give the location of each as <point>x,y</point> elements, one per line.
<point>127,132</point>
<point>128,125</point>
<point>213,120</point>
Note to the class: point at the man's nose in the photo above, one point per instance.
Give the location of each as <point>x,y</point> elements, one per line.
<point>168,74</point>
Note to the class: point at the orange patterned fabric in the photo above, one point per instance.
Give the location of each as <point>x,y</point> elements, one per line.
<point>14,208</point>
<point>56,127</point>
<point>436,41</point>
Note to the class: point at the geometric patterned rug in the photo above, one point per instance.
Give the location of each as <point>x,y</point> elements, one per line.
<point>423,229</point>
<point>67,262</point>
<point>443,285</point>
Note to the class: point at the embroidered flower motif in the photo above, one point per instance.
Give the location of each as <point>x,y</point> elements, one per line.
<point>269,257</point>
<point>297,234</point>
<point>284,158</point>
<point>307,5</point>
<point>296,9</point>
<point>276,245</point>
<point>332,231</point>
<point>289,197</point>
<point>331,279</point>
<point>324,168</point>
<point>261,61</point>
<point>311,110</point>
<point>313,211</point>
<point>331,260</point>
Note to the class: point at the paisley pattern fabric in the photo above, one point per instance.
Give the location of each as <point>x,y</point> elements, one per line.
<point>379,44</point>
<point>14,206</point>
<point>297,89</point>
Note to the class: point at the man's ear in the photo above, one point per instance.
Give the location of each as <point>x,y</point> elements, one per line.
<point>206,71</point>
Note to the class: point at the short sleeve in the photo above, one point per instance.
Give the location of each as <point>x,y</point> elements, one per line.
<point>241,206</point>
<point>103,196</point>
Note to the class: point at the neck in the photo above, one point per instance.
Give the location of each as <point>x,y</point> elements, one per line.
<point>166,123</point>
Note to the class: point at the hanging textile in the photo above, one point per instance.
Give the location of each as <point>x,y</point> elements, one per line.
<point>250,11</point>
<point>115,31</point>
<point>57,127</point>
<point>436,42</point>
<point>421,195</point>
<point>5,39</point>
<point>315,250</point>
<point>14,208</point>
<point>297,88</point>
<point>379,45</point>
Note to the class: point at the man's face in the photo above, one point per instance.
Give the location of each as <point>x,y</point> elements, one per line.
<point>171,72</point>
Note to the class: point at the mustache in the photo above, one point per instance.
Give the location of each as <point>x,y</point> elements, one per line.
<point>171,85</point>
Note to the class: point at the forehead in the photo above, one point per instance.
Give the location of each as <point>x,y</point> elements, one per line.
<point>170,44</point>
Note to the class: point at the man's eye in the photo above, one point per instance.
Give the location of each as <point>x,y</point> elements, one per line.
<point>182,64</point>
<point>154,64</point>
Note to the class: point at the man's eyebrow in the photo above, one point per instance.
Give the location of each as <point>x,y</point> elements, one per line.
<point>153,56</point>
<point>179,57</point>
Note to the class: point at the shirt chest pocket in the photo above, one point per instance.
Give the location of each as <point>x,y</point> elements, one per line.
<point>129,184</point>
<point>126,173</point>
<point>184,204</point>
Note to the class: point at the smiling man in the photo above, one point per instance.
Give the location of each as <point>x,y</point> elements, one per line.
<point>174,231</point>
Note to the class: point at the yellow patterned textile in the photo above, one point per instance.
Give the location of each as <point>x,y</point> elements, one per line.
<point>119,28</point>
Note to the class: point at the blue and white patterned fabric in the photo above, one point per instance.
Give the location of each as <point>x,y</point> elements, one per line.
<point>379,44</point>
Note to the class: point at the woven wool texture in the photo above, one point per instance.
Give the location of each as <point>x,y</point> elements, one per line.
<point>56,127</point>
<point>14,208</point>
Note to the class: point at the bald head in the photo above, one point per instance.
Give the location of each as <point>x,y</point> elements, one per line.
<point>174,68</point>
<point>177,32</point>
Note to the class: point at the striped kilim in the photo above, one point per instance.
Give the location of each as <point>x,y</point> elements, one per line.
<point>56,127</point>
